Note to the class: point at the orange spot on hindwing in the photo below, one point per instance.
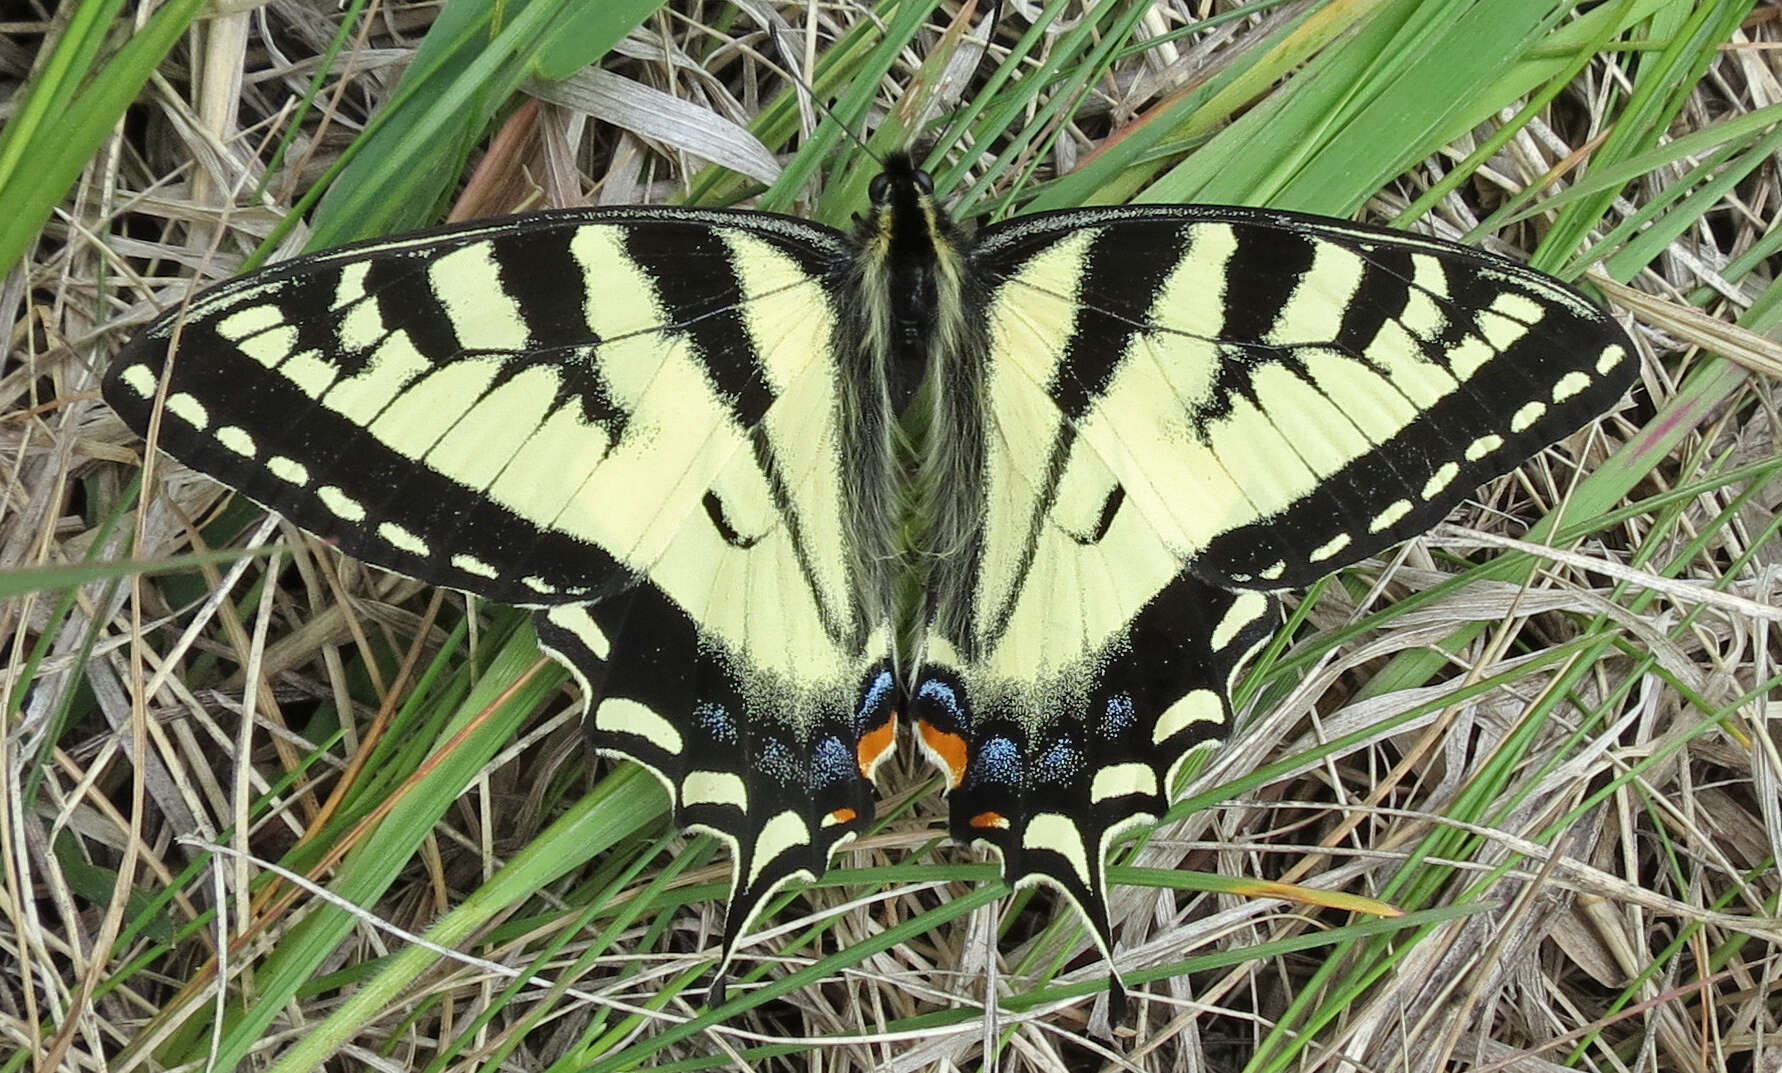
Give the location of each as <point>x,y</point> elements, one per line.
<point>990,819</point>
<point>946,749</point>
<point>875,745</point>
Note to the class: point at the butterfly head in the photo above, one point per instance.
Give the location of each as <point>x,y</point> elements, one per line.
<point>900,185</point>
<point>905,221</point>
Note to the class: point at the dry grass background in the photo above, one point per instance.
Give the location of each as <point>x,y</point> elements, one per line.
<point>1619,911</point>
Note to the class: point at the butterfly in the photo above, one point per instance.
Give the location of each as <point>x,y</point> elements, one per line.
<point>780,494</point>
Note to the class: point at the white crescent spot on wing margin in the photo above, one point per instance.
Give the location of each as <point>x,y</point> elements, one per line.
<point>1244,610</point>
<point>1054,831</point>
<point>715,788</point>
<point>140,379</point>
<point>188,409</point>
<point>1196,706</point>
<point>779,834</point>
<point>571,617</point>
<point>624,716</point>
<point>1118,780</point>
<point>288,469</point>
<point>340,503</point>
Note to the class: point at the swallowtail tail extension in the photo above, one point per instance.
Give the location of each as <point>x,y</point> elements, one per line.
<point>779,494</point>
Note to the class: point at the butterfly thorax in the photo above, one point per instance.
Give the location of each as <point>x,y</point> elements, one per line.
<point>907,279</point>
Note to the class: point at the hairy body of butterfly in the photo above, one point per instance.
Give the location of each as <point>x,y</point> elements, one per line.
<point>772,488</point>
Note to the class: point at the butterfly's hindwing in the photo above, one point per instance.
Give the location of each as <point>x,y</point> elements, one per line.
<point>1052,777</point>
<point>780,771</point>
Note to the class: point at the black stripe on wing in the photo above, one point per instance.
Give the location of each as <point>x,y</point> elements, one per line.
<point>697,279</point>
<point>1120,286</point>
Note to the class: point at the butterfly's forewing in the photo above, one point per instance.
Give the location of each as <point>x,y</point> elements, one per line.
<point>1283,395</point>
<point>1186,409</point>
<point>628,419</point>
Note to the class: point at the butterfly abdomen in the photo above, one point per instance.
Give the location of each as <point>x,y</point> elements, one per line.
<point>913,303</point>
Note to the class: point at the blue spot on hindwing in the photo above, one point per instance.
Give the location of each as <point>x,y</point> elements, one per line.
<point>1119,717</point>
<point>1061,762</point>
<point>778,762</point>
<point>998,761</point>
<point>942,695</point>
<point>716,721</point>
<point>832,762</point>
<point>875,700</point>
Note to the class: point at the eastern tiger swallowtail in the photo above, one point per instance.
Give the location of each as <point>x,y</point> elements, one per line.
<point>774,489</point>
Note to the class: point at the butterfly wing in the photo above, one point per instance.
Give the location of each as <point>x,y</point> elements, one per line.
<point>627,419</point>
<point>1185,409</point>
<point>1284,395</point>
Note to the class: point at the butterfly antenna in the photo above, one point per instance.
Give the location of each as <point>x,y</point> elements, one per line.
<point>810,92</point>
<point>991,25</point>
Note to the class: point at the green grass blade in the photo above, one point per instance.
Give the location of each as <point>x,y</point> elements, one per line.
<point>70,109</point>
<point>369,870</point>
<point>619,807</point>
<point>473,60</point>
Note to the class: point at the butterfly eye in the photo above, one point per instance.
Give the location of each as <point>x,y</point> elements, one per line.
<point>880,190</point>
<point>924,182</point>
